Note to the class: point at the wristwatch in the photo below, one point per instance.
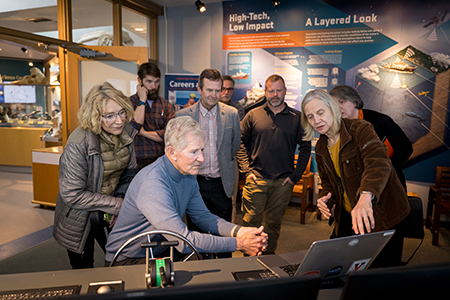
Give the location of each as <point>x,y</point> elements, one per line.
<point>141,103</point>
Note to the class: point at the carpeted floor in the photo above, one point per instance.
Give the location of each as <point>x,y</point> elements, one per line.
<point>49,256</point>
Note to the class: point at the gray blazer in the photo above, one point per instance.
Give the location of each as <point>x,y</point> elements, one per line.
<point>228,140</point>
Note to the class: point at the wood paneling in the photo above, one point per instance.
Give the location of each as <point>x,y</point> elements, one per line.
<point>17,143</point>
<point>45,184</point>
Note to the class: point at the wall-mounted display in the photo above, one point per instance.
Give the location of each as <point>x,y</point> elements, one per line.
<point>18,94</point>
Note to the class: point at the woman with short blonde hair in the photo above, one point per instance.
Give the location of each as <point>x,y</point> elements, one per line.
<point>89,114</point>
<point>96,167</point>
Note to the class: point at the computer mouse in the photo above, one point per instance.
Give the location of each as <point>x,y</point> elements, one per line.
<point>104,289</point>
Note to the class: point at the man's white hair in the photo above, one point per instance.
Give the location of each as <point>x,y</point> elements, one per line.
<point>177,129</point>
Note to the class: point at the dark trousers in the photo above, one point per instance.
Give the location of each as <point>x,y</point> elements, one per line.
<point>390,256</point>
<point>86,258</point>
<point>216,200</point>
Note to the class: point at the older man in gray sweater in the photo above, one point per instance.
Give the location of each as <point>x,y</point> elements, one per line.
<point>160,195</point>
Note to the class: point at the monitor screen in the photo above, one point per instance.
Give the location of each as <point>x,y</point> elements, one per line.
<point>406,282</point>
<point>19,94</point>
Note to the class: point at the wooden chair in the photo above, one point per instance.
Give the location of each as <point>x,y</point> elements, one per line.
<point>304,189</point>
<point>439,197</point>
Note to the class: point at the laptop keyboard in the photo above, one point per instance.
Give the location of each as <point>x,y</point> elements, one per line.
<point>267,275</point>
<point>290,269</point>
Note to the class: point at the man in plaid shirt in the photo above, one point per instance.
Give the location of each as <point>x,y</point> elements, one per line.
<point>152,113</point>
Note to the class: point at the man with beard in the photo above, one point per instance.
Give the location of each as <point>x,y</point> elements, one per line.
<point>152,113</point>
<point>270,134</point>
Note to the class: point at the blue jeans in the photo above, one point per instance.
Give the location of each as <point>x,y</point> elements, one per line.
<point>269,197</point>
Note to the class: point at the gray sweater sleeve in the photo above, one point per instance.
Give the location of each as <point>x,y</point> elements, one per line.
<point>164,204</point>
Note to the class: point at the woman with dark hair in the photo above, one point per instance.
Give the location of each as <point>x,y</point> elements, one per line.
<point>360,189</point>
<point>97,155</point>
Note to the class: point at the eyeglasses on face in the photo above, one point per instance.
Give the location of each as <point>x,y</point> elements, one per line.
<point>113,116</point>
<point>228,89</point>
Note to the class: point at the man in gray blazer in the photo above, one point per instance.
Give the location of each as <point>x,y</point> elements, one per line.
<point>220,123</point>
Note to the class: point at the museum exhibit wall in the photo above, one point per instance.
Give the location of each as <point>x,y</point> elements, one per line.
<point>383,36</point>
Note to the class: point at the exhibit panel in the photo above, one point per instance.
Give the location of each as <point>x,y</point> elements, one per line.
<point>397,59</point>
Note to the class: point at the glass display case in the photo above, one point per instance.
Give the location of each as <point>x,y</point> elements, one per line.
<point>29,105</point>
<point>30,117</point>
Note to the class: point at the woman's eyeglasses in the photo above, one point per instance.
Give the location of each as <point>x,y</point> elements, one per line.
<point>113,116</point>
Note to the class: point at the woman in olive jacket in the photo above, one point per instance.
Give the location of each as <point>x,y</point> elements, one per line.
<point>360,189</point>
<point>97,154</point>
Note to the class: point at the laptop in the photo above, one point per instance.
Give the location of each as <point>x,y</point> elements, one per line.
<point>331,258</point>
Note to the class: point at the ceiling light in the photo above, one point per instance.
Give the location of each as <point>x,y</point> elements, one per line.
<point>200,6</point>
<point>275,2</point>
<point>139,29</point>
<point>45,46</point>
<point>24,50</point>
<point>30,63</point>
